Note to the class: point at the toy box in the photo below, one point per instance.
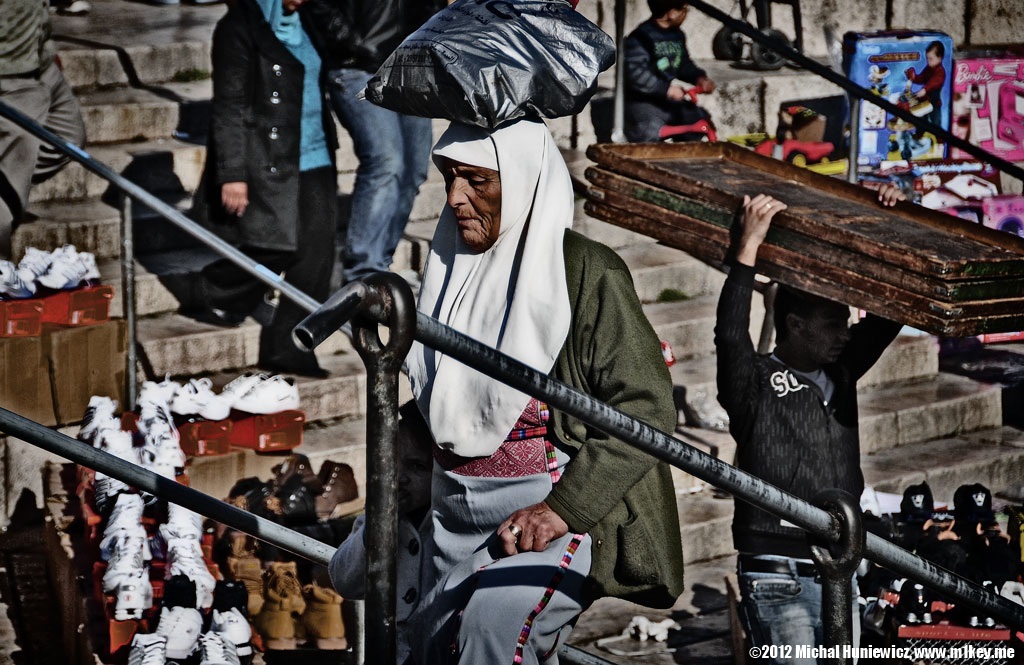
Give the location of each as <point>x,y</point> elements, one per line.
<point>911,69</point>
<point>954,186</point>
<point>1005,213</point>
<point>988,105</point>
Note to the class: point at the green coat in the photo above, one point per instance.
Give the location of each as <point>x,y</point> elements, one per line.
<point>621,496</point>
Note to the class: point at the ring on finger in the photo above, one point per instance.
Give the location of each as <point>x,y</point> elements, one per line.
<point>515,530</point>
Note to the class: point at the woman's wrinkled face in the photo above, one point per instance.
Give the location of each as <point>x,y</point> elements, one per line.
<point>474,195</point>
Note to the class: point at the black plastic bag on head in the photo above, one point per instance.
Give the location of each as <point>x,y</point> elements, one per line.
<point>486,62</point>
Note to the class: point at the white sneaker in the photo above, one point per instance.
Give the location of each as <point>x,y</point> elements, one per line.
<point>217,650</point>
<point>274,395</point>
<point>148,649</point>
<point>105,488</point>
<point>125,519</point>
<point>181,627</point>
<point>88,259</point>
<point>185,557</point>
<point>13,284</point>
<point>158,393</point>
<point>67,270</point>
<point>36,263</point>
<point>234,628</point>
<point>134,596</point>
<point>99,416</point>
<point>127,558</point>
<point>197,398</point>
<point>239,386</point>
<point>181,523</point>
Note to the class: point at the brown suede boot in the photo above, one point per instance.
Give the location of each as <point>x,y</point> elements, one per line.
<point>245,567</point>
<point>282,605</point>
<point>321,622</point>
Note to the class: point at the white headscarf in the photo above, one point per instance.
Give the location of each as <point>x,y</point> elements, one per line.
<point>512,296</point>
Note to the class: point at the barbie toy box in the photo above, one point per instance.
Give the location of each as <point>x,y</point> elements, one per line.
<point>988,105</point>
<point>911,69</point>
<point>1005,213</point>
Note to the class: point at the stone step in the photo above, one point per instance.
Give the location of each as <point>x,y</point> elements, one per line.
<point>142,114</point>
<point>993,457</point>
<point>946,405</point>
<point>164,165</point>
<point>656,268</point>
<point>182,347</point>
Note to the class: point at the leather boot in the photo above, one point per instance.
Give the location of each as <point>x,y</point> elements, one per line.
<point>321,621</point>
<point>339,487</point>
<point>282,606</point>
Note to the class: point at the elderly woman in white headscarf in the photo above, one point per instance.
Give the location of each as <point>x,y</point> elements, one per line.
<point>535,514</point>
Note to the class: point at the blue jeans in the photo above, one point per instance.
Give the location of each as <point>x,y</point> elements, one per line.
<point>785,610</point>
<point>393,151</point>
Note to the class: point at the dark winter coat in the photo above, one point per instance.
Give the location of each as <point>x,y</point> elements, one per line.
<point>786,434</point>
<point>361,34</point>
<point>255,130</point>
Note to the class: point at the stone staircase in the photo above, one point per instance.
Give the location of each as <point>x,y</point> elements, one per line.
<point>143,106</point>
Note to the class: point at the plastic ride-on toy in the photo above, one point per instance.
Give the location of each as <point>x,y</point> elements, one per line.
<point>701,130</point>
<point>727,44</point>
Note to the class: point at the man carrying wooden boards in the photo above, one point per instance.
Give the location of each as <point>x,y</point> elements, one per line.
<point>793,414</point>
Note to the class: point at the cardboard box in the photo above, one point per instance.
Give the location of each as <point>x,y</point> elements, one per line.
<point>25,379</point>
<point>1004,213</point>
<point>894,64</point>
<point>988,105</point>
<point>84,362</point>
<point>267,433</point>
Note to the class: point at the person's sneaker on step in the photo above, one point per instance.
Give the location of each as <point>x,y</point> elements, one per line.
<point>148,649</point>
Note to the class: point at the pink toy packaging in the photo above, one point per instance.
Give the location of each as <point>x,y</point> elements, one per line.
<point>1005,213</point>
<point>911,69</point>
<point>988,105</point>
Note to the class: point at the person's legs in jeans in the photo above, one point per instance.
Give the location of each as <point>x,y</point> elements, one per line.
<point>377,138</point>
<point>416,141</point>
<point>309,271</point>
<point>781,610</point>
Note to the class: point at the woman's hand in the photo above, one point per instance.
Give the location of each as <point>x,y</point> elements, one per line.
<point>235,197</point>
<point>531,529</point>
<point>757,217</point>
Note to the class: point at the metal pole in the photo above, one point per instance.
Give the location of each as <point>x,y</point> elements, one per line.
<point>836,565</point>
<point>387,298</point>
<point>852,162</point>
<point>707,468</point>
<point>619,109</point>
<point>128,301</point>
<point>165,488</point>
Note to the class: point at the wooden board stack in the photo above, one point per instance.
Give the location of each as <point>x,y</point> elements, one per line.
<point>926,269</point>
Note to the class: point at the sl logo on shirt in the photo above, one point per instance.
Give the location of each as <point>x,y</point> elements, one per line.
<point>784,383</point>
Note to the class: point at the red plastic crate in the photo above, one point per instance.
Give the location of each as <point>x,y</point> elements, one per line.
<point>206,437</point>
<point>21,318</point>
<point>268,433</point>
<point>79,307</point>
